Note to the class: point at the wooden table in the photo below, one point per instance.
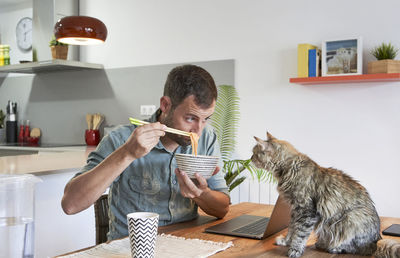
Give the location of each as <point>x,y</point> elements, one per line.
<point>244,247</point>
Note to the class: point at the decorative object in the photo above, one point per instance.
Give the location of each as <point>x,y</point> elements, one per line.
<point>225,121</point>
<point>58,50</point>
<point>385,53</point>
<point>2,130</point>
<point>23,34</point>
<point>342,57</point>
<point>80,30</point>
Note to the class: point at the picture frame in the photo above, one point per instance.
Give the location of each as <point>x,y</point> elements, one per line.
<point>342,57</point>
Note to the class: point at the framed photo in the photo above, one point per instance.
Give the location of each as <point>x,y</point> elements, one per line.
<point>342,57</point>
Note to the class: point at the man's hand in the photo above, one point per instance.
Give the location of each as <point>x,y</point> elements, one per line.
<point>214,203</point>
<point>193,188</point>
<point>143,139</point>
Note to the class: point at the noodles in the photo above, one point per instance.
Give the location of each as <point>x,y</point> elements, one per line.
<point>194,139</point>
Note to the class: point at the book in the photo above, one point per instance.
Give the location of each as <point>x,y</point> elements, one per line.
<point>302,59</point>
<point>314,62</point>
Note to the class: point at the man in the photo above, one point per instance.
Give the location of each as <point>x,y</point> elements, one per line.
<point>138,163</point>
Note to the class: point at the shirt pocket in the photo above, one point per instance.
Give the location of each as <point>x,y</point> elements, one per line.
<point>146,184</point>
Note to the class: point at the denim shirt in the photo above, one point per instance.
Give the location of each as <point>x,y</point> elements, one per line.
<point>149,183</point>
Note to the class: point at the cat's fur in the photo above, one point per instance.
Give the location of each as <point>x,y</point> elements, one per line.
<point>326,200</point>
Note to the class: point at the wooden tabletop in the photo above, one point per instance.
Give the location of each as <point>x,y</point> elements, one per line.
<point>244,247</point>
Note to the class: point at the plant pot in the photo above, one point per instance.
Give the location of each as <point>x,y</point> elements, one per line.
<point>59,52</point>
<point>384,66</point>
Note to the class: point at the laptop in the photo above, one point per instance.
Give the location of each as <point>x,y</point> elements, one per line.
<point>255,227</point>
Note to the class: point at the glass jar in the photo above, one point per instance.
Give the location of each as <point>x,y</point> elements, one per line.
<point>6,54</point>
<point>1,56</point>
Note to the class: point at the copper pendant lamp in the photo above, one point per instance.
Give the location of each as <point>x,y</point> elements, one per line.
<point>80,30</point>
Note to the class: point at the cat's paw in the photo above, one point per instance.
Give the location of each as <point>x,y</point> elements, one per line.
<point>334,250</point>
<point>281,240</point>
<point>295,253</point>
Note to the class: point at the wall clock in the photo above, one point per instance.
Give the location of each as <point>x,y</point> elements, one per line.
<point>24,34</point>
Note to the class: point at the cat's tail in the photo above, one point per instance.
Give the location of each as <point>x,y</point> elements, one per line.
<point>387,248</point>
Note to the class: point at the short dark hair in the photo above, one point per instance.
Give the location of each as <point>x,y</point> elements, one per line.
<point>187,80</point>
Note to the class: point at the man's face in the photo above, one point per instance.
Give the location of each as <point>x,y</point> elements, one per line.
<point>188,117</point>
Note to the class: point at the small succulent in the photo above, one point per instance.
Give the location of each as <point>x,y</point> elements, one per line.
<point>2,116</point>
<point>54,42</point>
<point>385,51</point>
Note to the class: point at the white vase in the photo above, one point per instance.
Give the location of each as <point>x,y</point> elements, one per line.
<point>2,135</point>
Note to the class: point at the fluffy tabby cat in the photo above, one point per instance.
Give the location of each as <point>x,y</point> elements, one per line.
<point>326,200</point>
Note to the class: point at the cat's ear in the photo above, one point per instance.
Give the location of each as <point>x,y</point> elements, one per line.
<point>269,136</point>
<point>260,141</point>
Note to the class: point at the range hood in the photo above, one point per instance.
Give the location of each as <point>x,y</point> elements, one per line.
<point>45,14</point>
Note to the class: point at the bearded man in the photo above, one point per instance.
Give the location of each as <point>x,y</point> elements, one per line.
<point>138,163</point>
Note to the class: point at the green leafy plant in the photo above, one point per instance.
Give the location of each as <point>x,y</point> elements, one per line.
<point>54,42</point>
<point>2,117</point>
<point>225,121</point>
<point>385,51</point>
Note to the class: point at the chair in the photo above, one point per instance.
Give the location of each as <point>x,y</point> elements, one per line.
<point>101,218</point>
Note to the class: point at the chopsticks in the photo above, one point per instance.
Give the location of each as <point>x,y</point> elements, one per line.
<point>170,130</point>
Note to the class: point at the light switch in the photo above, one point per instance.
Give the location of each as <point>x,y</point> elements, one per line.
<point>147,110</point>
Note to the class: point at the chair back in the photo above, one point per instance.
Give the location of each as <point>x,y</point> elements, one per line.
<point>101,218</point>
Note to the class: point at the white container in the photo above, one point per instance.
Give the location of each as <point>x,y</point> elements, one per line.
<point>17,206</point>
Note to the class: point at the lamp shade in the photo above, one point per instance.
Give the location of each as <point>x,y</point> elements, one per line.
<point>80,30</point>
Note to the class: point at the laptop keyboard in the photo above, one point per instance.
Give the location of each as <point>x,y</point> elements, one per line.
<point>255,228</point>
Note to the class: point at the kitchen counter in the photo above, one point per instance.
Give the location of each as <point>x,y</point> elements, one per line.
<point>55,232</point>
<point>48,160</point>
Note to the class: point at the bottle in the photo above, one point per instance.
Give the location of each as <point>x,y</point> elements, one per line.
<point>27,131</point>
<point>11,123</point>
<point>6,54</point>
<point>1,56</point>
<point>21,133</point>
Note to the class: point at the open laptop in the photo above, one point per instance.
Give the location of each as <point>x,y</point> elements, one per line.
<point>256,227</point>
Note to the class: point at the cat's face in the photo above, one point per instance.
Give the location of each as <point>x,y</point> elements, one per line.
<point>271,153</point>
<point>263,153</point>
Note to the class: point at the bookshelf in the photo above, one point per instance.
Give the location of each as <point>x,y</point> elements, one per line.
<point>378,77</point>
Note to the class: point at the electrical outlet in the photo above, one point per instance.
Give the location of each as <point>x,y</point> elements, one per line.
<point>147,110</point>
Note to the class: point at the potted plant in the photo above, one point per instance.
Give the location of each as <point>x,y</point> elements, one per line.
<point>2,130</point>
<point>225,121</point>
<point>385,53</point>
<point>58,50</point>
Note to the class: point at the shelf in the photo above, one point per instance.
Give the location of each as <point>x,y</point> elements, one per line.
<point>55,65</point>
<point>378,77</point>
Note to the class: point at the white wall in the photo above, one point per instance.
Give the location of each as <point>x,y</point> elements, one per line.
<point>9,17</point>
<point>353,127</point>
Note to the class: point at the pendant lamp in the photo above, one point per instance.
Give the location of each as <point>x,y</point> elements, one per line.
<point>80,30</point>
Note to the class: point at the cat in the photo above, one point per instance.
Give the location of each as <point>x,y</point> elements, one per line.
<point>326,200</point>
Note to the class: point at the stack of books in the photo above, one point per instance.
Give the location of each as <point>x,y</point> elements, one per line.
<point>308,61</point>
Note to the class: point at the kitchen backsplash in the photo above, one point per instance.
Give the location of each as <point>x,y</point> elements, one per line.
<point>58,102</point>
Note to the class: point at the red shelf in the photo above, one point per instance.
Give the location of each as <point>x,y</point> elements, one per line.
<point>378,77</point>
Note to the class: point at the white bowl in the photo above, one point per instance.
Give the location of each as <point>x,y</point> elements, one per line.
<point>191,164</point>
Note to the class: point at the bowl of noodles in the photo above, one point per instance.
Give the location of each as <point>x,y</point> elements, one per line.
<point>191,164</point>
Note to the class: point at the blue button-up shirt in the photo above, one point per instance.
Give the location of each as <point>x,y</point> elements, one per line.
<point>149,183</point>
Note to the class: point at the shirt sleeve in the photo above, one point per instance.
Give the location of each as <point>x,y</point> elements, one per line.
<point>107,145</point>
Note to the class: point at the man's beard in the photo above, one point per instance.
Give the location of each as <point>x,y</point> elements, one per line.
<point>179,139</point>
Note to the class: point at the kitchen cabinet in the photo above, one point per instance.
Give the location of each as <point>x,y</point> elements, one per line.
<point>55,232</point>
